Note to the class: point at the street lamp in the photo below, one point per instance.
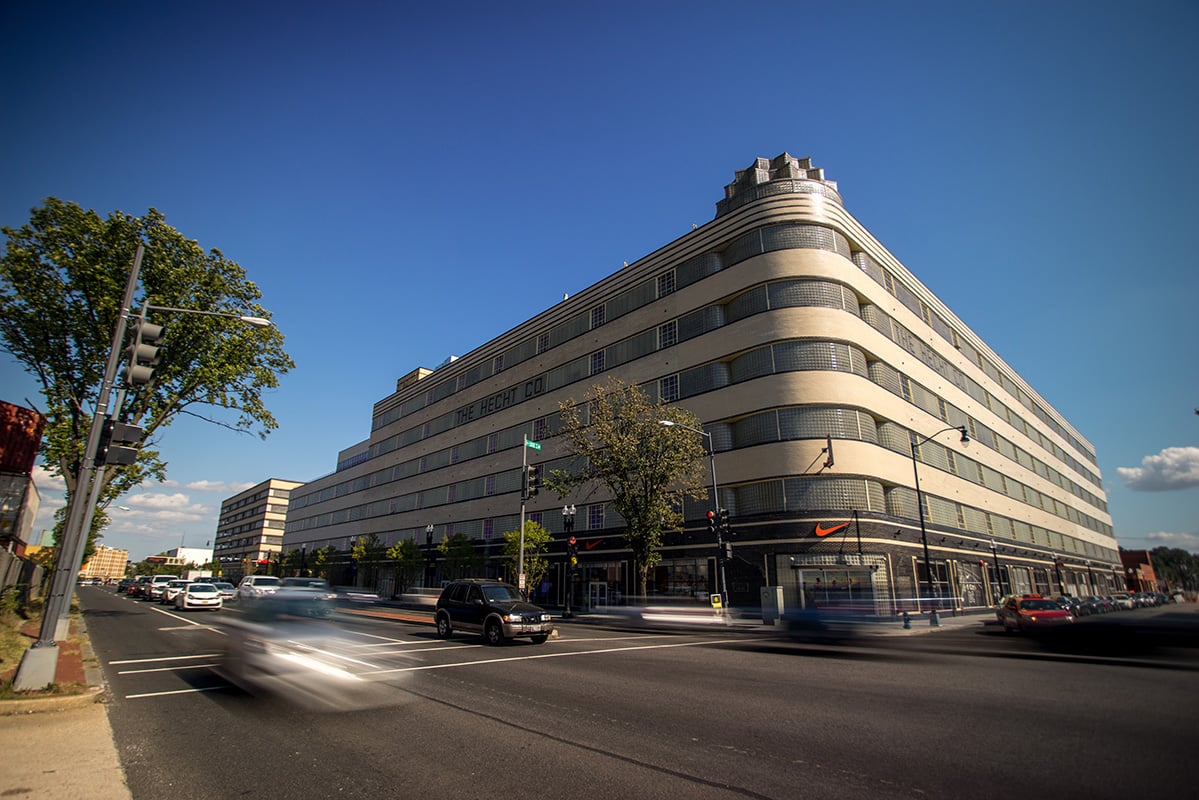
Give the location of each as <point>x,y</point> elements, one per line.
<point>928,564</point>
<point>1057,568</point>
<point>568,525</point>
<point>723,588</point>
<point>998,574</point>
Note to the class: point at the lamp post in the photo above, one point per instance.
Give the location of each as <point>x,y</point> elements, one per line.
<point>723,587</point>
<point>928,564</point>
<point>998,574</point>
<point>568,525</point>
<point>429,559</point>
<point>1057,568</point>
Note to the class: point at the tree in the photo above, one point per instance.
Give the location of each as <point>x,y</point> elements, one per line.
<point>461,557</point>
<point>409,561</point>
<point>62,279</point>
<point>368,552</point>
<point>322,560</point>
<point>619,445</point>
<point>537,541</point>
<point>293,561</point>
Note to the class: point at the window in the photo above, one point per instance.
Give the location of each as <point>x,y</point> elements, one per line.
<point>543,343</point>
<point>497,364</point>
<point>668,389</point>
<point>597,362</point>
<point>595,517</point>
<point>666,283</point>
<point>597,317</point>
<point>668,334</point>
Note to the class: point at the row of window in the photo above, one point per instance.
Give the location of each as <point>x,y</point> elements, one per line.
<point>783,424</point>
<point>759,241</point>
<point>801,355</point>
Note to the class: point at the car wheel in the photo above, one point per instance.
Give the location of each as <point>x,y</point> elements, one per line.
<point>540,638</point>
<point>493,633</point>
<point>444,629</point>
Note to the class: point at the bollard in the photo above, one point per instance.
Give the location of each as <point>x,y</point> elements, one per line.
<point>933,620</point>
<point>907,621</point>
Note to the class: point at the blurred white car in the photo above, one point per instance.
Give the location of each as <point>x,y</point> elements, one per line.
<point>255,587</point>
<point>198,595</point>
<point>171,591</point>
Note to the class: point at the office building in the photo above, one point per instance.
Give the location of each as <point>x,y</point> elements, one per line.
<point>835,388</point>
<point>106,563</point>
<point>249,532</point>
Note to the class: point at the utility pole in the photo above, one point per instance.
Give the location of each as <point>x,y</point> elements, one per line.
<point>40,661</point>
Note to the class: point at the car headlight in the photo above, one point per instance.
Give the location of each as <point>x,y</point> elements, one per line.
<point>546,617</point>
<point>513,618</point>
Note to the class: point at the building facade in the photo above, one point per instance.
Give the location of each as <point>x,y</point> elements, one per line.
<point>249,534</point>
<point>106,563</point>
<point>835,388</point>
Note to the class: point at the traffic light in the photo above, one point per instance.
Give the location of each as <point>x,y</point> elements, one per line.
<point>114,438</point>
<point>532,480</point>
<point>143,353</point>
<point>713,523</point>
<point>726,550</point>
<point>572,551</point>
<point>828,450</point>
<point>722,521</point>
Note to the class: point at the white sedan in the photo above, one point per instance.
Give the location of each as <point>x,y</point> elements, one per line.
<point>198,595</point>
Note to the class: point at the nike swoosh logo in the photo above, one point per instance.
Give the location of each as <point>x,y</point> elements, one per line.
<point>592,545</point>
<point>823,531</point>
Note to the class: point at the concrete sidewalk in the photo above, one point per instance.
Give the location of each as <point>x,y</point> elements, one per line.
<point>60,747</point>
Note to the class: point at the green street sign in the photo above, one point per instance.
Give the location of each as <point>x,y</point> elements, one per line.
<point>531,444</point>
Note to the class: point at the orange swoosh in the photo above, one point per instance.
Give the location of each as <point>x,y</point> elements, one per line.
<point>823,531</point>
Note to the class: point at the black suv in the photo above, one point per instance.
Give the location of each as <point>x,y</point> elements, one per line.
<point>497,610</point>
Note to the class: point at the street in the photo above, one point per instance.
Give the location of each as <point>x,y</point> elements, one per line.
<point>605,713</point>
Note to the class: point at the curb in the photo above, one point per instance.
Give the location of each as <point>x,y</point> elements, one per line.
<point>48,703</point>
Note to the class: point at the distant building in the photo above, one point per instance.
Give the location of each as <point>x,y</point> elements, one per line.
<point>249,534</point>
<point>1138,571</point>
<point>830,383</point>
<point>106,563</point>
<point>182,556</point>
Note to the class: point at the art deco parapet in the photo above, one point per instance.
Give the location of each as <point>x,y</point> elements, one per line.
<point>780,175</point>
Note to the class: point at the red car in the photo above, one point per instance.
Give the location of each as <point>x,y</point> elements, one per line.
<point>1032,612</point>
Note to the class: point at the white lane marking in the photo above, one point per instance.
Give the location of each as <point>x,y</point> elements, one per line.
<point>551,655</point>
<point>163,658</point>
<point>163,669</point>
<point>177,691</point>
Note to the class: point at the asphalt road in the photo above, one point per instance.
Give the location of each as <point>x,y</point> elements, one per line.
<point>601,713</point>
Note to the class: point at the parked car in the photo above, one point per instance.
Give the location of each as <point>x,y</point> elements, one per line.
<point>198,595</point>
<point>1124,601</point>
<point>496,610</point>
<point>173,588</point>
<point>1032,612</point>
<point>255,587</point>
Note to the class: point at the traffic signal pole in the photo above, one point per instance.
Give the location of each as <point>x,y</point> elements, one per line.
<point>40,661</point>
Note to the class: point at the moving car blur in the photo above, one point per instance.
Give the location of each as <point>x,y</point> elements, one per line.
<point>281,645</point>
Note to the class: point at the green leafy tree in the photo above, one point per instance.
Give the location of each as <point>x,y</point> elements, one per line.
<point>62,282</point>
<point>368,551</point>
<point>321,561</point>
<point>461,559</point>
<point>646,467</point>
<point>537,542</point>
<point>408,560</point>
<point>292,561</point>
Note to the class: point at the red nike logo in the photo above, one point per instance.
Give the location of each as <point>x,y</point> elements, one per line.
<point>592,545</point>
<point>823,531</point>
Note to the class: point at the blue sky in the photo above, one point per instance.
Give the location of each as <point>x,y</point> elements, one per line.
<point>407,181</point>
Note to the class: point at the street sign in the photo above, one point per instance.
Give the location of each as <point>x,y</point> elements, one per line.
<point>532,445</point>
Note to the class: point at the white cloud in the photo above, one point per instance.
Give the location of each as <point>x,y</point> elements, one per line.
<point>222,487</point>
<point>1171,469</point>
<point>1183,541</point>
